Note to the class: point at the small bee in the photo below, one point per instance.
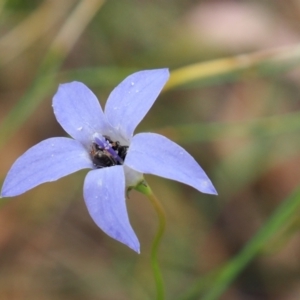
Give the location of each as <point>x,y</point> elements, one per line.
<point>102,158</point>
<point>120,150</point>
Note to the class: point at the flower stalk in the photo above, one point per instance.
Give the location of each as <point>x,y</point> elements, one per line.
<point>146,190</point>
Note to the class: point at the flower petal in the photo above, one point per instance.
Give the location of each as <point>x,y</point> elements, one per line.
<point>129,102</point>
<point>104,194</point>
<point>78,111</point>
<point>155,154</point>
<point>49,160</point>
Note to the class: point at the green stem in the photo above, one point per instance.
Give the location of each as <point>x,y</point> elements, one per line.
<point>146,190</point>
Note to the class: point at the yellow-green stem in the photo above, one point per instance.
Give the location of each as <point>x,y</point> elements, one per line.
<point>146,190</point>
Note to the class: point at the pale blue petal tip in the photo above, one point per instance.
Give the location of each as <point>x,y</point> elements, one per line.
<point>137,250</point>
<point>212,191</point>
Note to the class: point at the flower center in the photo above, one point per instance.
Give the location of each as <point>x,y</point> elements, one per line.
<point>107,153</point>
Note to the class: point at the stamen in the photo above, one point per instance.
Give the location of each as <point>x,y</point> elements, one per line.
<point>104,144</point>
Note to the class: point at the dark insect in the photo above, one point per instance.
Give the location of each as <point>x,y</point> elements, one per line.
<point>120,150</point>
<point>102,158</point>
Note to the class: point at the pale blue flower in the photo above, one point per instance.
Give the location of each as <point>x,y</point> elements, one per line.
<point>103,139</point>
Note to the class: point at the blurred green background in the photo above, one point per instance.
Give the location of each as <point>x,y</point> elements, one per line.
<point>237,113</point>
